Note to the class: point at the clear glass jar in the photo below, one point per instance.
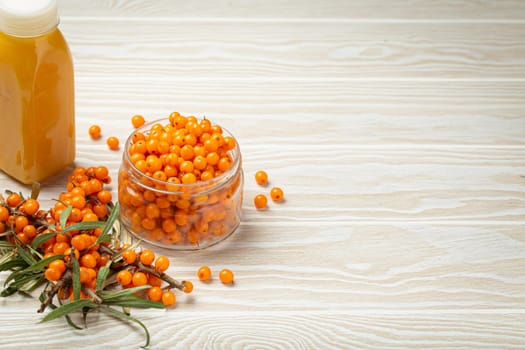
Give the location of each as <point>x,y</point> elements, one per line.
<point>180,216</point>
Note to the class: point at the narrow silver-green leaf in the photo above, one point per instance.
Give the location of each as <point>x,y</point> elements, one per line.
<point>117,314</point>
<point>107,295</point>
<point>76,279</point>
<point>42,263</point>
<point>109,224</point>
<point>135,301</point>
<point>88,225</point>
<point>68,319</point>
<point>28,258</point>
<point>42,238</point>
<point>64,215</point>
<point>101,276</point>
<point>66,309</point>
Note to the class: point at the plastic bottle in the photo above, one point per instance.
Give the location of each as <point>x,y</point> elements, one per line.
<point>37,98</point>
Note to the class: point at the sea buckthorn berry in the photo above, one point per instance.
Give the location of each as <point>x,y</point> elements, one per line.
<point>129,256</point>
<point>168,298</point>
<point>226,276</point>
<point>52,274</point>
<point>147,257</point>
<point>13,200</point>
<point>162,263</point>
<point>154,281</point>
<point>89,217</point>
<point>88,260</point>
<point>124,277</point>
<point>113,143</point>
<point>20,223</point>
<point>29,231</point>
<point>187,287</point>
<point>30,206</point>
<point>261,177</point>
<point>59,265</point>
<point>94,132</point>
<point>4,214</point>
<point>79,242</point>
<point>104,196</point>
<point>204,273</point>
<point>101,173</point>
<point>139,279</point>
<point>277,194</point>
<point>155,294</point>
<point>137,121</point>
<point>260,201</point>
<point>189,178</point>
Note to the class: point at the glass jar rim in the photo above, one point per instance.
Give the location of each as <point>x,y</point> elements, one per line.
<point>203,186</point>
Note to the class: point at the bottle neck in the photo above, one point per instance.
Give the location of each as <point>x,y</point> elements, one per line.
<point>28,18</point>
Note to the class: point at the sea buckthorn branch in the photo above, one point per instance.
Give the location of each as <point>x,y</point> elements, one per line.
<point>75,248</point>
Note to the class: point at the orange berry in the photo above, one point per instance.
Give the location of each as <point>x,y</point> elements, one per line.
<point>260,201</point>
<point>30,206</point>
<point>60,247</point>
<point>59,265</point>
<point>124,277</point>
<point>147,257</point>
<point>204,273</point>
<point>29,231</point>
<point>137,121</point>
<point>168,298</point>
<point>52,274</point>
<point>79,242</point>
<point>154,281</point>
<point>155,294</point>
<point>226,276</point>
<point>261,178</point>
<point>20,223</point>
<point>113,143</point>
<point>88,260</point>
<point>188,287</point>
<point>94,132</point>
<point>90,217</point>
<point>162,263</point>
<point>129,256</point>
<point>14,199</point>
<point>139,279</point>
<point>4,214</point>
<point>277,194</point>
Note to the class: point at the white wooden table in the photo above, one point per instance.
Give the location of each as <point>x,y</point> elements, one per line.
<point>397,131</point>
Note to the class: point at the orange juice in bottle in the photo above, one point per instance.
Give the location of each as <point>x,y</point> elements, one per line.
<point>37,102</point>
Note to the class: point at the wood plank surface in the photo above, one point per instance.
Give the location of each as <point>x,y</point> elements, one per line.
<point>210,50</point>
<point>397,131</point>
<point>484,10</point>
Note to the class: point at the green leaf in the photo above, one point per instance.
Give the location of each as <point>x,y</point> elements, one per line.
<point>135,301</point>
<point>66,309</point>
<point>76,279</point>
<point>42,238</point>
<point>11,264</point>
<point>68,319</point>
<point>64,215</point>
<point>28,258</point>
<point>42,263</point>
<point>32,286</point>
<point>120,315</point>
<point>108,295</point>
<point>6,245</point>
<point>109,224</point>
<point>101,276</point>
<point>88,225</point>
<point>8,291</point>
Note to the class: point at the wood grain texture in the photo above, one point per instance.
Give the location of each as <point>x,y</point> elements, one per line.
<point>211,50</point>
<point>462,10</point>
<point>396,131</point>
